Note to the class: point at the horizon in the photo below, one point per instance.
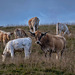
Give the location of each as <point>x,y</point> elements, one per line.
<point>48,11</point>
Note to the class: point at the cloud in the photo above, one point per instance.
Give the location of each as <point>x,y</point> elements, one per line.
<point>42,14</point>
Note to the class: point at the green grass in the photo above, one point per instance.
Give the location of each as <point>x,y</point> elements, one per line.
<point>24,69</point>
<point>38,64</point>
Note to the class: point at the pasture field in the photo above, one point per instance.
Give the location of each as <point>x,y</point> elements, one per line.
<point>38,64</point>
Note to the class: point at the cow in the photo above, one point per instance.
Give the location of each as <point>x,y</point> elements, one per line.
<point>17,45</point>
<point>62,28</point>
<point>50,43</point>
<point>5,36</point>
<point>33,24</point>
<point>19,33</point>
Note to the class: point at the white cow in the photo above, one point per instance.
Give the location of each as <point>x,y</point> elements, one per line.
<point>20,33</point>
<point>17,45</point>
<point>62,28</point>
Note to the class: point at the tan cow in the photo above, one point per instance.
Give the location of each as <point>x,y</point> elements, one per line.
<point>51,43</point>
<point>5,36</point>
<point>33,24</point>
<point>20,33</point>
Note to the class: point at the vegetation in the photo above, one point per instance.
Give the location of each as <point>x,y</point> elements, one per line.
<point>38,64</point>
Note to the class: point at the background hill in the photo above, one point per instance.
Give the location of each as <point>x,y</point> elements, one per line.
<point>38,64</point>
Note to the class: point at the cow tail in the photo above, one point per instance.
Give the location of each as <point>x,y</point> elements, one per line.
<point>64,44</point>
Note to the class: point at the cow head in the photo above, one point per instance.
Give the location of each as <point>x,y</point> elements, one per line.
<point>25,34</point>
<point>9,36</point>
<point>38,35</point>
<point>3,57</point>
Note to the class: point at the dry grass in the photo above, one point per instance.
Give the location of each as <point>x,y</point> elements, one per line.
<point>38,64</point>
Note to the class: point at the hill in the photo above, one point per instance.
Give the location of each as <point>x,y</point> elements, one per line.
<point>38,64</point>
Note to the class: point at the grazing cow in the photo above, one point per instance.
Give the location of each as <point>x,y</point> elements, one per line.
<point>51,43</point>
<point>5,36</point>
<point>17,45</point>
<point>33,24</point>
<point>20,33</point>
<point>62,28</point>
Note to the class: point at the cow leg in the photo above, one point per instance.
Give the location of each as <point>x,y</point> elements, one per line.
<point>57,29</point>
<point>45,51</point>
<point>65,32</point>
<point>62,53</point>
<point>37,27</point>
<point>46,54</point>
<point>57,56</point>
<point>4,42</point>
<point>3,57</point>
<point>12,54</point>
<point>26,51</point>
<point>50,52</point>
<point>1,44</point>
<point>34,29</point>
<point>60,32</point>
<point>30,28</point>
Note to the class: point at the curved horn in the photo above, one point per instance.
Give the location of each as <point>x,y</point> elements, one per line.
<point>32,33</point>
<point>45,33</point>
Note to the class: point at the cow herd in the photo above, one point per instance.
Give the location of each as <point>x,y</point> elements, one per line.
<point>48,42</point>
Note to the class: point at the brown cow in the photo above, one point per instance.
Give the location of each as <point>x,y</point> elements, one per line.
<point>51,43</point>
<point>5,36</point>
<point>20,33</point>
<point>33,24</point>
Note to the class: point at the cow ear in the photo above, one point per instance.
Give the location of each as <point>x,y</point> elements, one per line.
<point>32,33</point>
<point>44,33</point>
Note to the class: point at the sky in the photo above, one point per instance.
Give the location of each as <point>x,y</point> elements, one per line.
<point>18,12</point>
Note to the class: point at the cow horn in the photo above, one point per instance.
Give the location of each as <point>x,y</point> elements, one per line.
<point>45,33</point>
<point>32,33</point>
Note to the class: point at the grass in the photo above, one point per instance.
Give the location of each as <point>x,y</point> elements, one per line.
<point>38,64</point>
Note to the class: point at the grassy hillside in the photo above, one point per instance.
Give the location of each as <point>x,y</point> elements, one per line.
<point>38,64</point>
